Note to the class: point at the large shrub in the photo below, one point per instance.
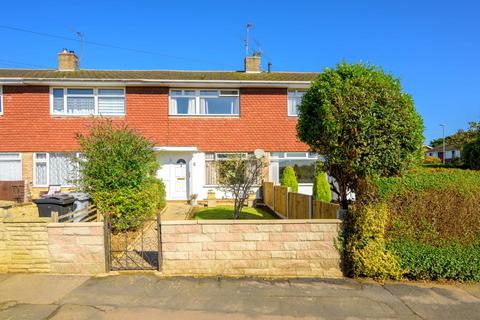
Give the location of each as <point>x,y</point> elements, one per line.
<point>471,154</point>
<point>434,222</point>
<point>365,251</point>
<point>289,179</point>
<point>359,118</point>
<point>321,187</point>
<point>118,169</point>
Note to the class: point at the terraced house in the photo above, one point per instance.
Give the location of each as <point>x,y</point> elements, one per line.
<point>193,117</point>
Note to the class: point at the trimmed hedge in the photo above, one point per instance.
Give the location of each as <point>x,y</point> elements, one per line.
<point>289,179</point>
<point>434,222</point>
<point>321,187</point>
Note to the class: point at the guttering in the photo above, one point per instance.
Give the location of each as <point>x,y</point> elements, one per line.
<point>156,82</point>
<point>178,149</point>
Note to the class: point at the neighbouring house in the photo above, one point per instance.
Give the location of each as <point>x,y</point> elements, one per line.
<point>451,153</point>
<point>193,117</point>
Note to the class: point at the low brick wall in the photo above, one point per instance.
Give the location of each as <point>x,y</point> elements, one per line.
<point>76,247</point>
<point>270,248</point>
<point>37,245</point>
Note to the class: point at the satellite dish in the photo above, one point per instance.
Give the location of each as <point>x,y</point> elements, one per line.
<point>259,153</point>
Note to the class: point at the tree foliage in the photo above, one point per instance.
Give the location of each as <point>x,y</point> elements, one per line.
<point>321,187</point>
<point>359,118</point>
<point>289,179</point>
<point>471,154</point>
<point>118,169</point>
<point>237,176</point>
<point>461,137</point>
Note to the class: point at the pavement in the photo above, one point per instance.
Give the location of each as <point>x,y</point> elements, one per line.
<point>175,211</point>
<point>149,296</point>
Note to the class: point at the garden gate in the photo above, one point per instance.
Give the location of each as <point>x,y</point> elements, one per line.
<point>133,249</point>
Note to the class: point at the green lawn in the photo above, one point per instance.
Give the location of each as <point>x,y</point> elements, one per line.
<point>226,212</point>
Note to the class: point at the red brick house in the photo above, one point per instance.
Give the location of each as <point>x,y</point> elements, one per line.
<point>193,117</point>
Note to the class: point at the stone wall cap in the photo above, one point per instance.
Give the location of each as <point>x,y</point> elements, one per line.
<point>258,222</point>
<point>26,220</point>
<point>74,224</point>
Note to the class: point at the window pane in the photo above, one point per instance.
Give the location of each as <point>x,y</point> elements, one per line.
<point>221,105</point>
<point>1,93</point>
<point>182,106</point>
<point>277,155</point>
<point>304,169</point>
<point>229,92</point>
<point>296,154</point>
<point>41,156</point>
<point>9,156</point>
<point>209,93</point>
<point>111,106</point>
<point>58,102</point>
<point>80,91</point>
<point>41,173</point>
<point>61,169</point>
<point>111,92</point>
<point>10,170</point>
<point>80,105</point>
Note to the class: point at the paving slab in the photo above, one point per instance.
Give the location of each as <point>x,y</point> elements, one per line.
<point>431,301</point>
<point>27,312</point>
<point>38,288</point>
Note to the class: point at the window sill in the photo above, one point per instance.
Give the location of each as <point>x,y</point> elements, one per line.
<point>84,116</point>
<point>198,116</point>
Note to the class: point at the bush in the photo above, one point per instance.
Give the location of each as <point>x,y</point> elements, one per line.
<point>471,154</point>
<point>431,160</point>
<point>289,179</point>
<point>321,187</point>
<point>365,249</point>
<point>128,208</point>
<point>433,206</point>
<point>426,262</point>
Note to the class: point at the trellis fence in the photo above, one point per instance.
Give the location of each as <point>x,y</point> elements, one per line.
<point>292,205</point>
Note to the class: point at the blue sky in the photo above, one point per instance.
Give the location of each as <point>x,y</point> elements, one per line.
<point>433,46</point>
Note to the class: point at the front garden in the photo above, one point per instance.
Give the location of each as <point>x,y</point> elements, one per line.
<point>227,213</point>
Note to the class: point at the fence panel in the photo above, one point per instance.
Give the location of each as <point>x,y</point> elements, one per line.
<point>324,210</point>
<point>268,194</point>
<point>281,200</point>
<point>12,190</point>
<point>299,205</point>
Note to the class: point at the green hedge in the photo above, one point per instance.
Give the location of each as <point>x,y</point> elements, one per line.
<point>289,179</point>
<point>434,222</point>
<point>425,262</point>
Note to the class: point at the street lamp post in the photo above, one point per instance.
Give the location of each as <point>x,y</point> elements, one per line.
<point>443,135</point>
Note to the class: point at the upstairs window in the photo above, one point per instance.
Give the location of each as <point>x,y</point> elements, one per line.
<point>204,102</point>
<point>294,99</point>
<point>88,101</point>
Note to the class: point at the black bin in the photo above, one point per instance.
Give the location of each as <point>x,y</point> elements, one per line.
<point>61,203</point>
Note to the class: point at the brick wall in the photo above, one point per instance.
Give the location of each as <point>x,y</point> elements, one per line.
<point>37,245</point>
<point>274,248</point>
<point>27,125</point>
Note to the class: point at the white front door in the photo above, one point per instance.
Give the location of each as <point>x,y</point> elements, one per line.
<point>174,174</point>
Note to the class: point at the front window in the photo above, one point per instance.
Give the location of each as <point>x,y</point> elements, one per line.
<point>294,100</point>
<point>204,102</point>
<point>303,163</point>
<point>88,101</point>
<point>211,170</point>
<point>1,100</point>
<point>55,169</point>
<point>10,166</point>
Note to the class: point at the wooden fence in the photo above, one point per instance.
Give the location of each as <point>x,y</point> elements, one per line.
<point>88,214</point>
<point>292,205</point>
<point>12,191</point>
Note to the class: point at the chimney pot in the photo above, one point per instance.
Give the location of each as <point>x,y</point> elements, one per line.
<point>252,64</point>
<point>67,61</point>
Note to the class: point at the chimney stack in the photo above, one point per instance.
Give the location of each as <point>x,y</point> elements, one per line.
<point>67,61</point>
<point>252,64</point>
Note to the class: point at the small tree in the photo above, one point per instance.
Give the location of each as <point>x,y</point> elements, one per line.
<point>118,169</point>
<point>289,179</point>
<point>237,176</point>
<point>321,187</point>
<point>471,154</point>
<point>358,117</point>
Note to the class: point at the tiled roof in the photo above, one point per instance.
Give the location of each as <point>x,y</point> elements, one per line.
<point>155,75</point>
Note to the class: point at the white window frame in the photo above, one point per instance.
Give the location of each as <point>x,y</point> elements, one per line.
<point>296,93</point>
<point>18,158</point>
<point>283,156</point>
<point>197,97</point>
<point>1,100</point>
<point>47,161</point>
<point>95,96</point>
